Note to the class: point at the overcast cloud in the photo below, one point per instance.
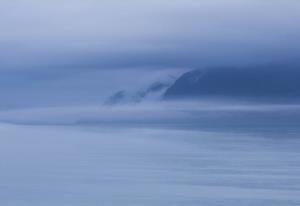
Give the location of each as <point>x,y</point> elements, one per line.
<point>93,33</point>
<point>42,42</point>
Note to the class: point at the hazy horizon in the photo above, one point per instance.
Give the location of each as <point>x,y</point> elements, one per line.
<point>149,102</point>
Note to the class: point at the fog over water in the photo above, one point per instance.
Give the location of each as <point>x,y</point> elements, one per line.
<point>192,114</point>
<point>104,102</point>
<point>182,153</point>
<point>245,163</point>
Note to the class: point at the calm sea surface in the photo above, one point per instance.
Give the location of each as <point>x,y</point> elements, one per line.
<point>231,161</point>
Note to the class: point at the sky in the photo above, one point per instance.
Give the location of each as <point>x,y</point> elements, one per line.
<point>70,52</point>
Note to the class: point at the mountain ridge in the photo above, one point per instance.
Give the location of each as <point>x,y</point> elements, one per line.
<point>236,83</point>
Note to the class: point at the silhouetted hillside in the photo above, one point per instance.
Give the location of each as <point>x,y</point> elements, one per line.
<point>237,83</point>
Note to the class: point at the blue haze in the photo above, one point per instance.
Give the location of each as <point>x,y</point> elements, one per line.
<point>61,145</point>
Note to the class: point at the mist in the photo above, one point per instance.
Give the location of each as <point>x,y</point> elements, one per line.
<point>58,53</point>
<point>103,102</point>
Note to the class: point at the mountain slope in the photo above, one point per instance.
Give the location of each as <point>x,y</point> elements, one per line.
<point>154,91</point>
<point>237,83</point>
